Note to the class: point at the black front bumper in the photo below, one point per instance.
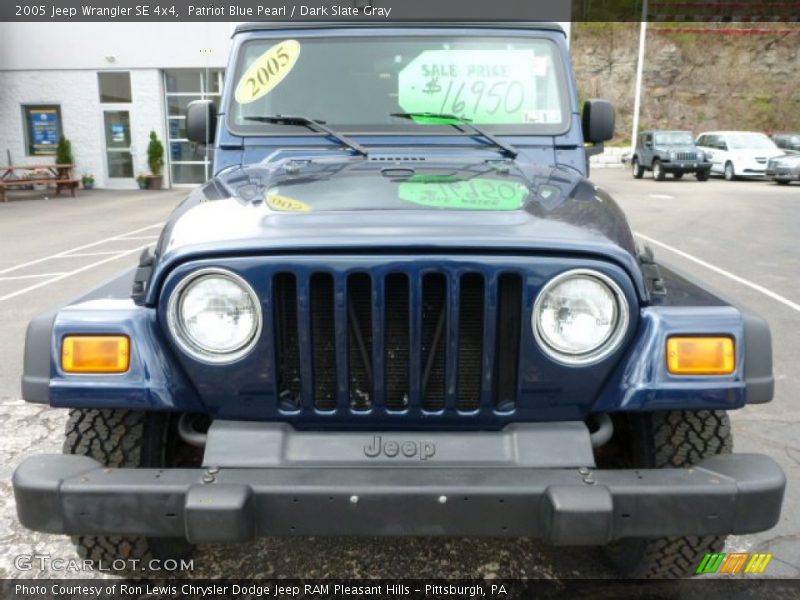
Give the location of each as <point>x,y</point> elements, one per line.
<point>730,494</point>
<point>686,166</point>
<point>783,173</point>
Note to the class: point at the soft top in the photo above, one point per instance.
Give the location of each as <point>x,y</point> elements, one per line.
<point>271,25</point>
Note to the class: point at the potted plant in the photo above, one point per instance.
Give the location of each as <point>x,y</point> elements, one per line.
<point>87,179</point>
<point>142,181</point>
<point>155,160</point>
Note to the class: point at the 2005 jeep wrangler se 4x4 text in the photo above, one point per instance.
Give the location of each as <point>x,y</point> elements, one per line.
<point>400,308</point>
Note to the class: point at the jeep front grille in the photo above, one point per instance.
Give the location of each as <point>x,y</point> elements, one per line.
<point>439,341</point>
<point>686,156</point>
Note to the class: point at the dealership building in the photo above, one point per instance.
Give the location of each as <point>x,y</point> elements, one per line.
<point>106,86</point>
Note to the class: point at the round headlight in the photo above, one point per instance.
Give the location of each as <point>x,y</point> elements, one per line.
<point>580,317</point>
<point>215,316</point>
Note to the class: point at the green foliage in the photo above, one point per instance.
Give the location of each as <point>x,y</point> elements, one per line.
<point>701,78</point>
<point>762,110</point>
<point>155,154</point>
<point>606,10</point>
<point>64,152</point>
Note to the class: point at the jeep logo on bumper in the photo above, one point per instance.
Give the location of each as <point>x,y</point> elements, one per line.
<point>424,449</point>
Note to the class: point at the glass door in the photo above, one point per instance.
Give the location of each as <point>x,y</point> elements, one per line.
<point>119,155</point>
<point>189,163</point>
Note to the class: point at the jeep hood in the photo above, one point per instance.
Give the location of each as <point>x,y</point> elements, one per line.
<point>433,205</point>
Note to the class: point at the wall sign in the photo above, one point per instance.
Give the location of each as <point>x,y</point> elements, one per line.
<point>43,128</point>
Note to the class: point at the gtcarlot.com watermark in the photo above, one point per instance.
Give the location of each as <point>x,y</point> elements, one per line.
<point>46,562</point>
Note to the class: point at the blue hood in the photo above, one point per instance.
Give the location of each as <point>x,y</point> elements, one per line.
<point>434,205</point>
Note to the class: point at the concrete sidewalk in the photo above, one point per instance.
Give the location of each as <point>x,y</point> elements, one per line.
<point>15,195</point>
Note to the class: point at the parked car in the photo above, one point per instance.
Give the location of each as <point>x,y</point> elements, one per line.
<point>735,154</point>
<point>784,169</point>
<point>400,310</point>
<point>788,142</point>
<point>665,152</point>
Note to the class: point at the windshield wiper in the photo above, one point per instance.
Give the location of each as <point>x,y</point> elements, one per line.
<point>458,122</point>
<point>311,124</point>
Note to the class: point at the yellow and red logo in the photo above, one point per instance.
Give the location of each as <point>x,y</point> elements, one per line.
<point>734,562</point>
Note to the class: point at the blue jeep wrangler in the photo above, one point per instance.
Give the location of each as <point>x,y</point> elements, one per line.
<point>400,308</point>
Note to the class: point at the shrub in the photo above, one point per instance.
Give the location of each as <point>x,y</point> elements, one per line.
<point>64,152</point>
<point>155,154</point>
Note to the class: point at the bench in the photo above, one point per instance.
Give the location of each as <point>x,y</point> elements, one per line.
<point>58,175</point>
<point>61,184</point>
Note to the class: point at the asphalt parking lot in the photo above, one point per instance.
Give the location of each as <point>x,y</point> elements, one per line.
<point>739,237</point>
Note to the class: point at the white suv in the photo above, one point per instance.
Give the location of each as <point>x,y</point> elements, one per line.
<point>736,154</point>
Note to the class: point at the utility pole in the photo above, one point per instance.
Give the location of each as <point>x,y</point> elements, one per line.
<point>637,98</point>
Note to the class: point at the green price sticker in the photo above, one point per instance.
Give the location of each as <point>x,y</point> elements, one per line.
<point>467,194</point>
<point>486,86</point>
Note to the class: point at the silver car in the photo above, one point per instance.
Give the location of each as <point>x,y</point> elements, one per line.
<point>784,169</point>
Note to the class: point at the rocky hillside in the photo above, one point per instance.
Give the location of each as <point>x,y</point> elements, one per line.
<point>697,77</point>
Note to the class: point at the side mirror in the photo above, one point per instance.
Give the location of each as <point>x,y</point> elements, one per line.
<point>201,121</point>
<point>598,121</point>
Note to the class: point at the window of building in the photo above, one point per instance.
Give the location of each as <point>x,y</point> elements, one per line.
<point>114,87</point>
<point>190,163</point>
<point>42,129</point>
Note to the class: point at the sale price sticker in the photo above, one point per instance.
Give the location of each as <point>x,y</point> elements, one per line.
<point>485,86</point>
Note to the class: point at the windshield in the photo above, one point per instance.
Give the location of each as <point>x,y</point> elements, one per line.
<point>513,84</point>
<point>674,138</point>
<point>750,141</point>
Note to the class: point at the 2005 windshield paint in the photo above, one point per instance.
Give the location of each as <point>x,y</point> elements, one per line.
<point>356,84</point>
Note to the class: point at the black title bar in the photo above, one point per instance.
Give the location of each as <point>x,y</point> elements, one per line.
<point>400,10</point>
<point>754,588</point>
<point>278,10</point>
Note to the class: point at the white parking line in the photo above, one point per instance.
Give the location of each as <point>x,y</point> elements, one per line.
<point>742,280</point>
<point>661,196</point>
<point>65,252</point>
<point>135,237</point>
<point>15,277</point>
<point>70,273</point>
<point>88,254</point>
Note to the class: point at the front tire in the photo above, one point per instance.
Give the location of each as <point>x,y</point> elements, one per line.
<point>702,175</point>
<point>658,171</point>
<point>730,172</point>
<point>638,170</point>
<point>125,439</point>
<point>667,440</point>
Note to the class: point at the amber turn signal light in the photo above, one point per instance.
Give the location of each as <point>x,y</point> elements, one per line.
<point>700,355</point>
<point>96,354</point>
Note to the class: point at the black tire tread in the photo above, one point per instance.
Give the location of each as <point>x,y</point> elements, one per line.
<point>637,169</point>
<point>114,439</point>
<point>658,171</point>
<point>678,439</point>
